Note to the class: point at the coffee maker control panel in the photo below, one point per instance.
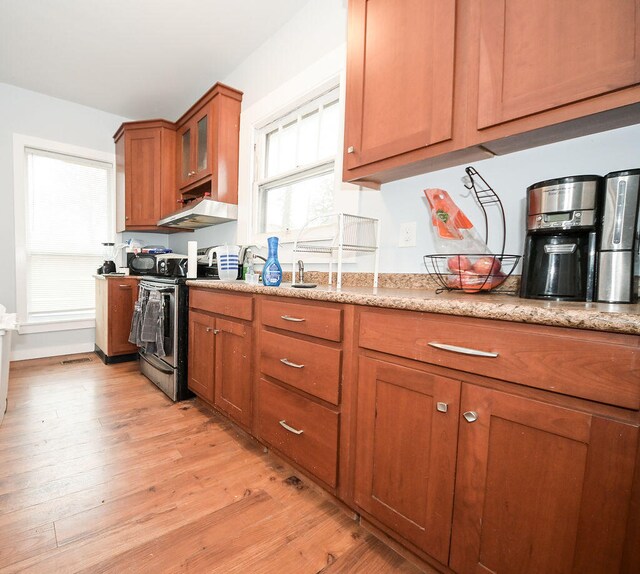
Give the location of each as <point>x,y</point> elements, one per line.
<point>562,220</point>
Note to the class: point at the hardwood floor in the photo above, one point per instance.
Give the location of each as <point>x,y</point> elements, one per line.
<point>100,472</point>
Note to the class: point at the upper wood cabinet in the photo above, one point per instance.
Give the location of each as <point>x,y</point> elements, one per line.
<point>207,147</point>
<point>541,63</point>
<point>437,83</point>
<point>401,105</point>
<point>145,175</point>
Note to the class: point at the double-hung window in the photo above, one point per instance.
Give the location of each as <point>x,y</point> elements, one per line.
<point>295,166</point>
<point>63,215</point>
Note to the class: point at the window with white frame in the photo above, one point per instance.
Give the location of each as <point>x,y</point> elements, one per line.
<point>63,214</point>
<point>295,165</point>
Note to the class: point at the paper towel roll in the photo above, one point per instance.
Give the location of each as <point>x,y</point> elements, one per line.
<point>192,259</point>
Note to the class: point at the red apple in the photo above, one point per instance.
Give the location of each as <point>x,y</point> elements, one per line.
<point>458,263</point>
<point>488,265</point>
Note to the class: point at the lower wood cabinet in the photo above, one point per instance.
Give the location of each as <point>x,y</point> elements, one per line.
<point>201,355</point>
<point>115,298</point>
<point>540,486</point>
<point>304,431</point>
<point>525,460</point>
<point>406,447</point>
<point>220,357</point>
<point>543,482</point>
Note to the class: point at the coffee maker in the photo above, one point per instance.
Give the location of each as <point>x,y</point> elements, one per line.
<point>619,241</point>
<point>560,247</point>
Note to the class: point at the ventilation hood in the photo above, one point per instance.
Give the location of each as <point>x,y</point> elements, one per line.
<point>201,213</point>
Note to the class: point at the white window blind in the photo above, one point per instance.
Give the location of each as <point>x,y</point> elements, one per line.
<point>296,165</point>
<point>67,218</point>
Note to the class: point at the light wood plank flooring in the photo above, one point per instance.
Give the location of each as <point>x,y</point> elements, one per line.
<point>100,472</point>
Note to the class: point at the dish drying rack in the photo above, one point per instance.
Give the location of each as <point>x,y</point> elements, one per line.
<point>348,233</point>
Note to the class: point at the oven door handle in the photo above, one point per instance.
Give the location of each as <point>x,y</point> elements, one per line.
<point>156,364</point>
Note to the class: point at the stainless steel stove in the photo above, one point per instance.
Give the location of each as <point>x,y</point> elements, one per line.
<point>160,329</point>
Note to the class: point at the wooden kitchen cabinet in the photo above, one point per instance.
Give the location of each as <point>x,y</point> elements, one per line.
<point>404,102</point>
<point>433,84</point>
<point>299,404</point>
<point>537,64</point>
<point>220,352</point>
<point>202,354</point>
<point>207,146</point>
<point>115,298</point>
<point>546,478</point>
<point>145,175</point>
<point>539,487</point>
<point>407,427</point>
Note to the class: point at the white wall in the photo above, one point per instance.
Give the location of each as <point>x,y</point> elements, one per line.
<point>32,114</point>
<point>312,47</point>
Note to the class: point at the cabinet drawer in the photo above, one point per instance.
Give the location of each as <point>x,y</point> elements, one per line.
<point>308,319</point>
<point>310,367</point>
<point>316,447</point>
<point>214,301</point>
<point>597,366</point>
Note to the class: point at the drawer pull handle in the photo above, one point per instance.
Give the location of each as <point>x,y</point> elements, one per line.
<point>290,364</point>
<point>124,286</point>
<point>285,426</point>
<point>294,319</point>
<point>463,350</point>
<point>470,416</point>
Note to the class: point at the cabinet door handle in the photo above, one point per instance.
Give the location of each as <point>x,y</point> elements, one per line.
<point>470,416</point>
<point>294,319</point>
<point>463,350</point>
<point>351,149</point>
<point>284,425</point>
<point>215,331</point>
<point>290,364</point>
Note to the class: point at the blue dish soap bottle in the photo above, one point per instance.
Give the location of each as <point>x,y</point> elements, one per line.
<point>272,271</point>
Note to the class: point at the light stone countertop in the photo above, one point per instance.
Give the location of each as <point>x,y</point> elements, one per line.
<point>616,318</point>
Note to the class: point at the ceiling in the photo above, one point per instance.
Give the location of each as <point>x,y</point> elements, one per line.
<point>139,59</point>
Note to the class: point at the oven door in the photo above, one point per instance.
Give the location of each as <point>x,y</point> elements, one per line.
<point>168,295</point>
<point>160,373</point>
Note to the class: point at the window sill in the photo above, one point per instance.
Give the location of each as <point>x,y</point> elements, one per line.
<point>52,326</point>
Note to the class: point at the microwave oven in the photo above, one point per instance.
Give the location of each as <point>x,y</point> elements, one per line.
<point>142,263</point>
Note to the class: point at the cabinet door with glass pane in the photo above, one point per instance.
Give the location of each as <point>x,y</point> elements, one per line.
<point>208,140</point>
<point>194,149</point>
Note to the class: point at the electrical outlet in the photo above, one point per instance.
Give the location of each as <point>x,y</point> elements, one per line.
<point>407,234</point>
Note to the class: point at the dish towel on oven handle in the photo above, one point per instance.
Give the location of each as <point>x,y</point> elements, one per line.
<point>149,332</point>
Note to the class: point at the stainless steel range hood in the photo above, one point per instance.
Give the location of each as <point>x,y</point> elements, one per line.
<point>201,213</point>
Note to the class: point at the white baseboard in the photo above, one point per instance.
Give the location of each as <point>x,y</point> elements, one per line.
<point>41,352</point>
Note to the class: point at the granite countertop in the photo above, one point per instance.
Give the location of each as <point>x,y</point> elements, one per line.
<point>616,318</point>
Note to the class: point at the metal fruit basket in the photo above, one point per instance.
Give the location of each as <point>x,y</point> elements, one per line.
<point>474,272</point>
<point>471,273</point>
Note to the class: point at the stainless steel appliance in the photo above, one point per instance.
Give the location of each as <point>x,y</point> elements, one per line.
<point>560,246</point>
<point>619,242</point>
<point>164,359</point>
<point>201,213</point>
